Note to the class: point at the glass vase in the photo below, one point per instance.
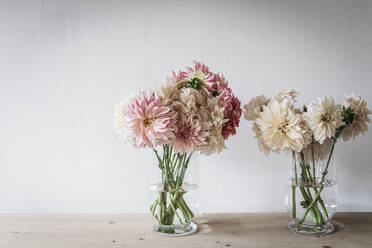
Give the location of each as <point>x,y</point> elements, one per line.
<point>312,194</point>
<point>174,196</point>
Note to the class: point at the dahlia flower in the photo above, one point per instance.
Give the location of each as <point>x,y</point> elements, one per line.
<point>150,121</point>
<point>287,94</point>
<point>192,99</point>
<point>280,126</point>
<point>120,122</point>
<point>198,77</point>
<point>169,88</point>
<point>230,103</point>
<point>217,113</point>
<point>255,107</point>
<point>190,134</point>
<point>361,112</point>
<point>260,141</point>
<point>216,142</point>
<point>323,117</point>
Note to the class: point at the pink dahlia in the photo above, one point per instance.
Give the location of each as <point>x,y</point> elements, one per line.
<point>150,121</point>
<point>231,104</point>
<point>199,77</point>
<point>191,134</point>
<point>175,78</point>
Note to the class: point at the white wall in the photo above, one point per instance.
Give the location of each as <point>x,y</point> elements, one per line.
<point>64,65</point>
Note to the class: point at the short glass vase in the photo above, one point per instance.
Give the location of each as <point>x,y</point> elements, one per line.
<point>174,198</point>
<point>312,195</point>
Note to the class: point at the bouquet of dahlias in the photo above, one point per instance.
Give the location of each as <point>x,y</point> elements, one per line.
<point>194,110</point>
<point>309,134</point>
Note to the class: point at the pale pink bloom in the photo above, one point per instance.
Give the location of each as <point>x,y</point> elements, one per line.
<point>150,121</point>
<point>202,75</point>
<point>255,107</point>
<point>287,94</point>
<point>167,90</point>
<point>191,134</point>
<point>361,119</point>
<point>230,103</point>
<point>176,77</point>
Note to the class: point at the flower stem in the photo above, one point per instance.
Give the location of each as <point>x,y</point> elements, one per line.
<point>294,207</point>
<point>316,198</point>
<point>173,167</point>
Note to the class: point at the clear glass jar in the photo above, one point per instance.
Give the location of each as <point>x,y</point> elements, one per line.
<point>174,197</point>
<point>312,194</point>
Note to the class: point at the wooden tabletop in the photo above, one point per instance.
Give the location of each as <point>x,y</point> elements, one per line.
<point>353,230</point>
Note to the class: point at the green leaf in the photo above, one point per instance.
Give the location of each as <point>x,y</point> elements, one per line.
<point>347,115</point>
<point>305,108</point>
<point>194,83</point>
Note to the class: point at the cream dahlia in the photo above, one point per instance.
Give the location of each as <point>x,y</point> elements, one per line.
<point>120,122</point>
<point>192,99</point>
<point>280,126</point>
<point>323,117</point>
<point>287,94</point>
<point>216,142</point>
<point>255,107</point>
<point>361,112</point>
<point>151,122</point>
<point>169,88</point>
<point>260,141</point>
<point>217,113</point>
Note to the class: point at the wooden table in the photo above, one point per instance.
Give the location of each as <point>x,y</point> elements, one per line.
<point>353,230</point>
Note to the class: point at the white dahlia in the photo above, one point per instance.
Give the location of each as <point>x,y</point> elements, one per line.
<point>192,99</point>
<point>166,91</point>
<point>120,122</point>
<point>260,142</point>
<point>361,112</point>
<point>323,117</point>
<point>287,94</point>
<point>281,127</point>
<point>216,112</point>
<point>216,141</point>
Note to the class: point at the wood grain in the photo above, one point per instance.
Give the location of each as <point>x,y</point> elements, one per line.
<point>215,230</point>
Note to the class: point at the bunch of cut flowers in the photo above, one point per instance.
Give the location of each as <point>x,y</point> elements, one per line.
<point>194,110</point>
<point>309,134</point>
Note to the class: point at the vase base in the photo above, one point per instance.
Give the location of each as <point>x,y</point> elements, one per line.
<point>175,230</point>
<point>324,229</point>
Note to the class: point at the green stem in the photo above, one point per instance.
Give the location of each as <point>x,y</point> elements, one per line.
<point>305,190</point>
<point>325,172</point>
<point>315,186</point>
<point>173,167</point>
<point>311,183</point>
<point>294,202</point>
<point>294,207</point>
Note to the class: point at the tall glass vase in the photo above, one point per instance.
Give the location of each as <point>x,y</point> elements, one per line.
<point>312,194</point>
<point>174,196</point>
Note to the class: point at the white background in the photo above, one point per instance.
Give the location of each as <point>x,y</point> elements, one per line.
<point>64,65</point>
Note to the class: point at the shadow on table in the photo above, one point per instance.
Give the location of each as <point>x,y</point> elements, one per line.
<point>260,226</point>
<point>240,226</point>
